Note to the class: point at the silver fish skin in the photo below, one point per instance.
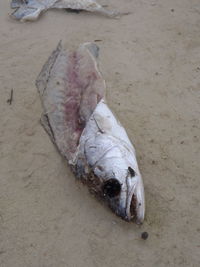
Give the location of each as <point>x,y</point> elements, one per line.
<point>87,133</point>
<point>30,10</point>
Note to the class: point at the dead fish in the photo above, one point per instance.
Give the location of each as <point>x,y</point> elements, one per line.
<point>86,132</point>
<point>31,9</point>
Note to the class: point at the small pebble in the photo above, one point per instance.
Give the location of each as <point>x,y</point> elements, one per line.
<point>30,132</point>
<point>144,235</point>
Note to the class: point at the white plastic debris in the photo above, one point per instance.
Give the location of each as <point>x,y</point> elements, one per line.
<point>30,10</point>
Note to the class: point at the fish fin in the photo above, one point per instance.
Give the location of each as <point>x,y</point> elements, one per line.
<point>93,48</point>
<point>44,120</point>
<point>45,73</point>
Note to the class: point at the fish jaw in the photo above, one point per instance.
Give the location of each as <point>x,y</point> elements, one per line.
<point>130,203</point>
<point>136,201</point>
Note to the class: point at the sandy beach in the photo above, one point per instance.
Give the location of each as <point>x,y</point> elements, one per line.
<point>150,60</point>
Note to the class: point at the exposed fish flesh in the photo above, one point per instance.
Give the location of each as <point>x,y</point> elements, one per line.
<point>31,9</point>
<point>87,133</point>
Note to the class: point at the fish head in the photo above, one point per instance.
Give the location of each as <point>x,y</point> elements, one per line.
<point>123,189</point>
<point>110,156</point>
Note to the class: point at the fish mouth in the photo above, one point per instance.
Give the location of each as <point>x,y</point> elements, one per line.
<point>132,207</point>
<point>135,203</point>
<point>132,211</point>
<point>129,206</point>
<point>129,213</point>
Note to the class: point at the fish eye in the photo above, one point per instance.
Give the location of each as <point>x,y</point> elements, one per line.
<point>111,188</point>
<point>131,171</point>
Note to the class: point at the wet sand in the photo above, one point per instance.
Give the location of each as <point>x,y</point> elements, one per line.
<point>150,60</point>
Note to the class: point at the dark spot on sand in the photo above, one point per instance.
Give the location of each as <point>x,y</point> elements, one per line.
<point>10,100</point>
<point>144,235</point>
